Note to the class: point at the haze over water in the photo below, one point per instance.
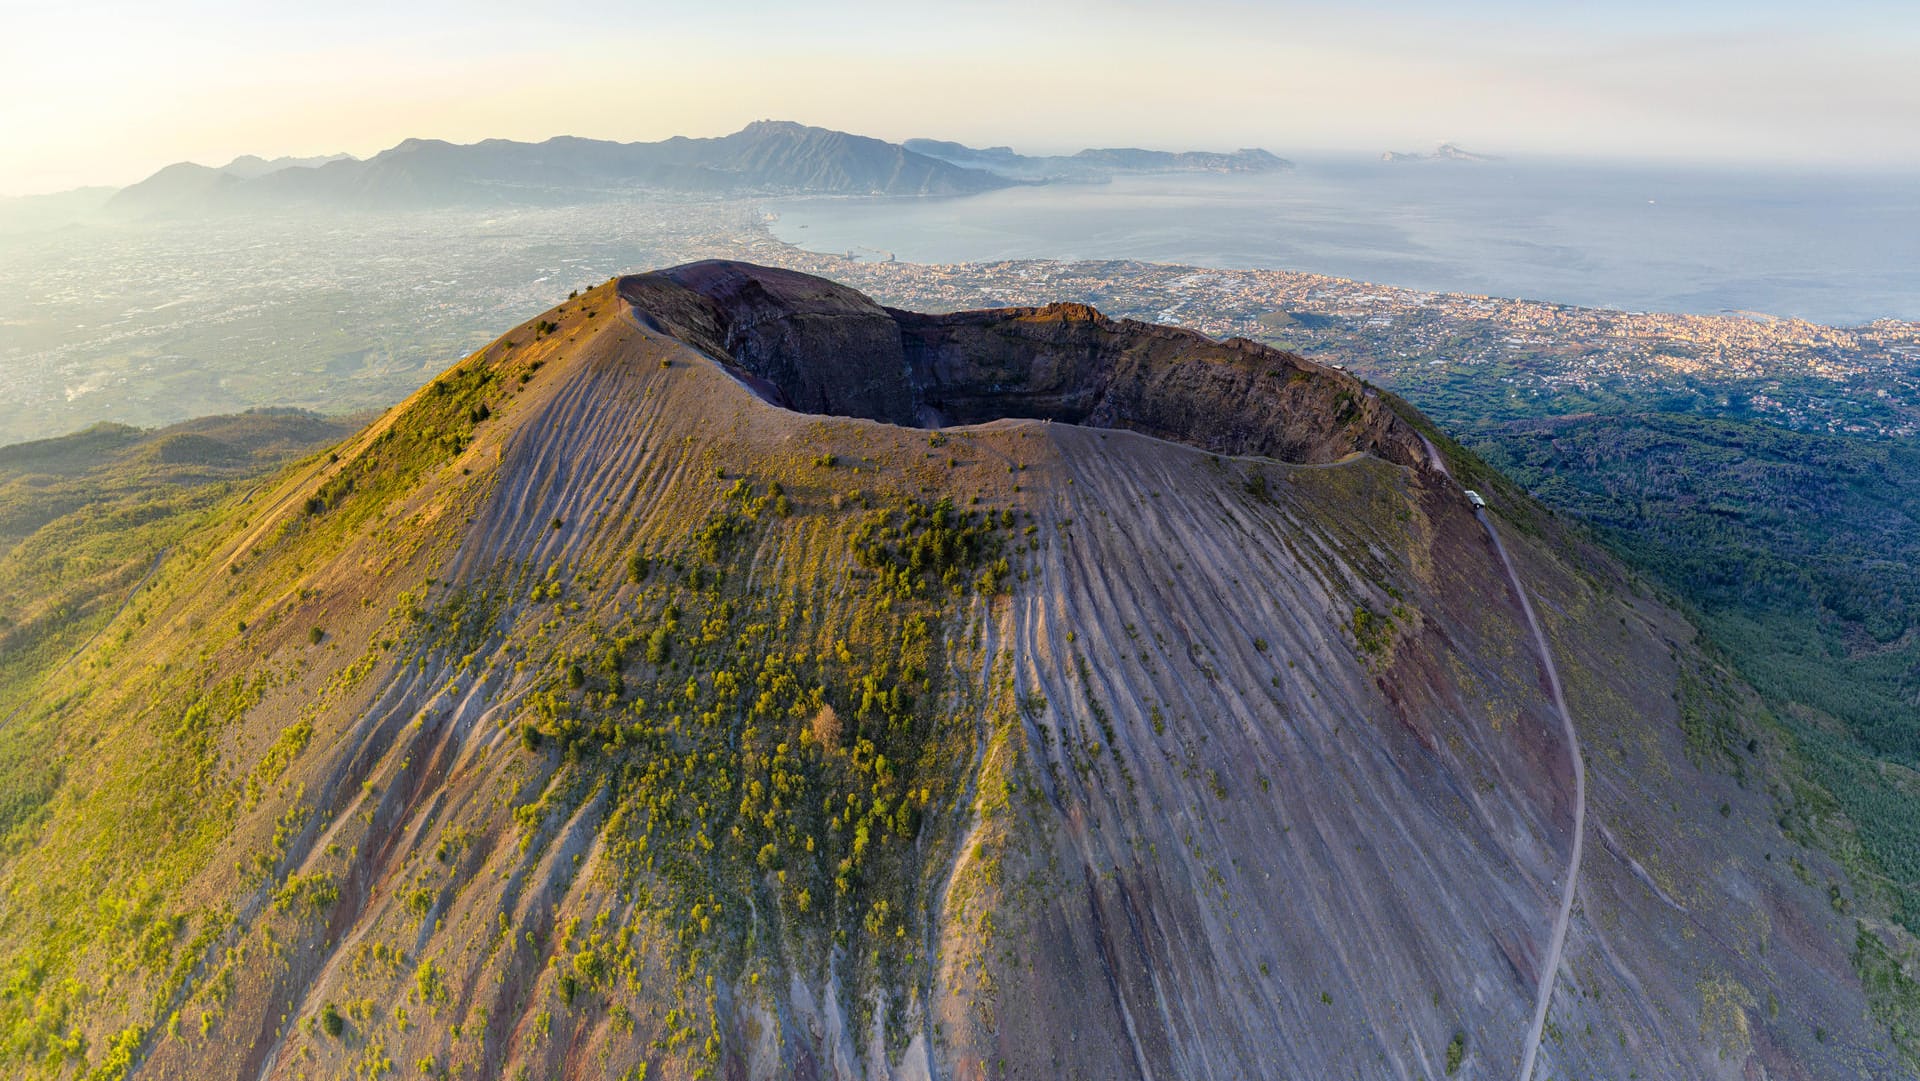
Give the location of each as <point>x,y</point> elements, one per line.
<point>1832,249</point>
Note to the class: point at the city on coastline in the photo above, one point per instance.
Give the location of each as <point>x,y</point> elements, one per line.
<point>1552,358</point>
<point>157,324</point>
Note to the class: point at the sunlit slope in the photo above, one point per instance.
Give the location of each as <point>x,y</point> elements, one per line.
<point>587,715</point>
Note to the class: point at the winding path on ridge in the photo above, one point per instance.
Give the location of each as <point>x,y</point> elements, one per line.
<point>1550,969</point>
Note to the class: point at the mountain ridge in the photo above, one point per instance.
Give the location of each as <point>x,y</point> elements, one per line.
<point>777,156</point>
<point>764,156</point>
<point>253,166</point>
<point>1099,164</point>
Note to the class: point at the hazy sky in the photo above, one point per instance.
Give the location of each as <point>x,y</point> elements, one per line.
<point>96,92</point>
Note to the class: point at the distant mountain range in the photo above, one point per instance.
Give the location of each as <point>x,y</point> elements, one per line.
<point>252,167</point>
<point>1443,152</point>
<point>763,156</point>
<point>766,156</point>
<point>1096,164</point>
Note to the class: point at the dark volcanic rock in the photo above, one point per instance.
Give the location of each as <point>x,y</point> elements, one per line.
<point>825,348</point>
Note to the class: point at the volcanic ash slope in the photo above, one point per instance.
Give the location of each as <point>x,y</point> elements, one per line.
<point>596,715</point>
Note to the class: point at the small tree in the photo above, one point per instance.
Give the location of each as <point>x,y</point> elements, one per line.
<point>1456,1053</point>
<point>826,727</point>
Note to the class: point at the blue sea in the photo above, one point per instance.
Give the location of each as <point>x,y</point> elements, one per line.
<point>1832,248</point>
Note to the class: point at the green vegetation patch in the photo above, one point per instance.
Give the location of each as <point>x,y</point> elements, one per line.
<point>431,430</point>
<point>1799,549</point>
<point>771,752</point>
<point>1456,1053</point>
<point>1892,991</point>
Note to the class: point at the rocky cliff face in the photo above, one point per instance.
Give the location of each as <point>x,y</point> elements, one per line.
<point>592,715</point>
<point>819,347</point>
<point>807,343</point>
